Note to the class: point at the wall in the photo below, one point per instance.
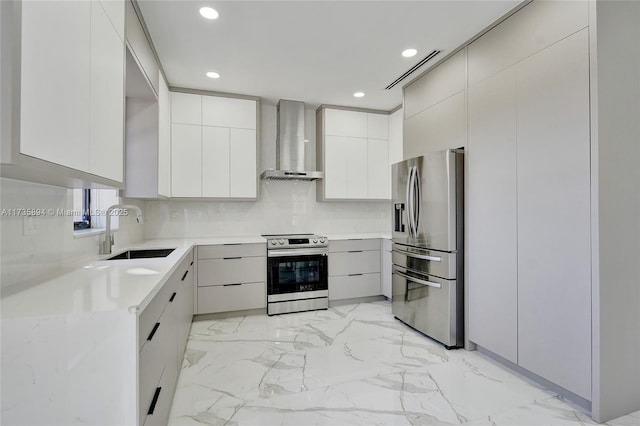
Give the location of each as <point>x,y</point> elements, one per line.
<point>615,55</point>
<point>282,206</point>
<point>52,249</point>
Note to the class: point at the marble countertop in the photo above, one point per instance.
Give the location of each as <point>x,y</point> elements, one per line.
<point>101,285</point>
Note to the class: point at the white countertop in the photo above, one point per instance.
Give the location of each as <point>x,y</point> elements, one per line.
<point>358,236</point>
<point>100,285</point>
<point>108,285</point>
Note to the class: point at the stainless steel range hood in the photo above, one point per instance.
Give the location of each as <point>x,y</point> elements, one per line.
<point>290,145</point>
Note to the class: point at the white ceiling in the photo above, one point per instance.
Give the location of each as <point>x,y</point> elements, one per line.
<point>319,52</point>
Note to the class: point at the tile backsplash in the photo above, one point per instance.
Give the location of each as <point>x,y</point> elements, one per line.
<point>46,247</point>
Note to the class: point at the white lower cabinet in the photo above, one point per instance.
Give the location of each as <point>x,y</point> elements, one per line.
<point>231,278</point>
<point>163,328</point>
<point>385,268</point>
<point>354,268</point>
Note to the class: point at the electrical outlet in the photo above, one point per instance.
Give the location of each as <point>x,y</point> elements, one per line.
<point>30,225</point>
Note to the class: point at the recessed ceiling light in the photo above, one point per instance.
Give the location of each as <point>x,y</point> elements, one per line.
<point>209,12</point>
<point>409,53</point>
<point>212,74</point>
<point>358,94</point>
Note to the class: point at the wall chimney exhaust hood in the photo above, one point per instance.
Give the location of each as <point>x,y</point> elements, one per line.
<point>290,145</point>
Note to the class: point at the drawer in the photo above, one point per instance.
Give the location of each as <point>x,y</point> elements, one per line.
<point>154,309</point>
<point>165,390</point>
<point>232,250</point>
<point>354,262</point>
<point>232,297</point>
<point>151,364</point>
<point>350,286</point>
<point>231,271</point>
<point>350,245</point>
<point>438,263</point>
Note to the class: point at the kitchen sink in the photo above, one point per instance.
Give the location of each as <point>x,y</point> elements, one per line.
<point>141,254</point>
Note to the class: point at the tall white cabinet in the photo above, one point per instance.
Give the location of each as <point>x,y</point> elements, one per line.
<point>528,159</point>
<point>213,146</point>
<point>353,150</point>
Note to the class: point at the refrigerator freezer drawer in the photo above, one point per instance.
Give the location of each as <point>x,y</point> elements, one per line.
<point>429,304</point>
<point>424,261</point>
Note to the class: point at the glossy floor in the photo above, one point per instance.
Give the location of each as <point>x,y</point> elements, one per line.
<point>350,365</point>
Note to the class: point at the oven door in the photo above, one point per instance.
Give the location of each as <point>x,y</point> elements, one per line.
<point>293,271</point>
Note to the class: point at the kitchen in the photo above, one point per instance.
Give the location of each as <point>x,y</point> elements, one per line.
<point>42,256</point>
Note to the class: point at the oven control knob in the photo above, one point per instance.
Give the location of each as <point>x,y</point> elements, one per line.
<point>273,242</point>
<point>281,242</point>
<point>315,240</point>
<point>322,240</point>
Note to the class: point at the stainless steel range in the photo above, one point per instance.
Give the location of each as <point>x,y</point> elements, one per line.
<point>297,275</point>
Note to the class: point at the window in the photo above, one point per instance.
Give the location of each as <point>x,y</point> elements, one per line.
<point>89,208</point>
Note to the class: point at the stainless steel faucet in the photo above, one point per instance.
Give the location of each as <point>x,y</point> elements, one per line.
<point>105,246</point>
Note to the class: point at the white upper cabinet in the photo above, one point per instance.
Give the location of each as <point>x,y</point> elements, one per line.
<point>228,112</point>
<point>225,161</point>
<point>345,123</point>
<point>353,151</point>
<point>378,126</point>
<point>72,87</point>
<point>107,86</point>
<point>141,48</point>
<point>164,139</point>
<point>186,108</point>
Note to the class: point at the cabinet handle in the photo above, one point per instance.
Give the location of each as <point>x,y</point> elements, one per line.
<point>173,296</point>
<point>155,328</point>
<point>229,285</point>
<point>232,244</point>
<point>154,401</point>
<point>185,275</point>
<point>191,264</point>
<point>231,258</point>
<point>354,275</point>
<point>354,251</point>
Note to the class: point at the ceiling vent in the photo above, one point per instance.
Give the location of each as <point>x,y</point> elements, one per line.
<point>411,70</point>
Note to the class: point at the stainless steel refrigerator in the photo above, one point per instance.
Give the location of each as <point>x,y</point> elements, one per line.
<point>428,245</point>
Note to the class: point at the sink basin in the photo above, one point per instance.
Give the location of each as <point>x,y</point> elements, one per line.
<point>141,254</point>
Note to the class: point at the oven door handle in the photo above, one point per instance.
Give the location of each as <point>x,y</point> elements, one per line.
<point>297,252</point>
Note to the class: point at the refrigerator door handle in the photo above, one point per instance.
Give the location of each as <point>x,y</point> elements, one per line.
<point>409,201</point>
<point>417,280</point>
<point>419,256</point>
<point>417,201</point>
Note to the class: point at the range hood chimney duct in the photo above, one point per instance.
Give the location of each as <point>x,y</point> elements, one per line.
<point>290,145</point>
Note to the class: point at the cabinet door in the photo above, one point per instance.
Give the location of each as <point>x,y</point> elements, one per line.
<point>186,108</point>
<point>228,112</point>
<point>554,272</point>
<point>186,166</point>
<point>357,173</point>
<point>106,150</point>
<point>491,209</point>
<point>378,169</point>
<point>377,126</point>
<point>164,139</point>
<point>242,164</point>
<point>215,161</point>
<point>140,46</point>
<point>345,123</point>
<point>385,268</point>
<point>115,10</point>
<point>335,166</point>
<point>55,78</point>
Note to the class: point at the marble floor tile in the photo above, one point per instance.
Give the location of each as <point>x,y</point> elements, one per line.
<point>350,365</point>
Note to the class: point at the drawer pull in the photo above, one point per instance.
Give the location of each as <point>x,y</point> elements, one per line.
<point>231,258</point>
<point>154,401</point>
<point>229,285</point>
<point>419,256</point>
<point>355,275</point>
<point>173,296</point>
<point>354,251</point>
<point>191,264</point>
<point>185,275</point>
<point>155,328</point>
<point>232,244</point>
